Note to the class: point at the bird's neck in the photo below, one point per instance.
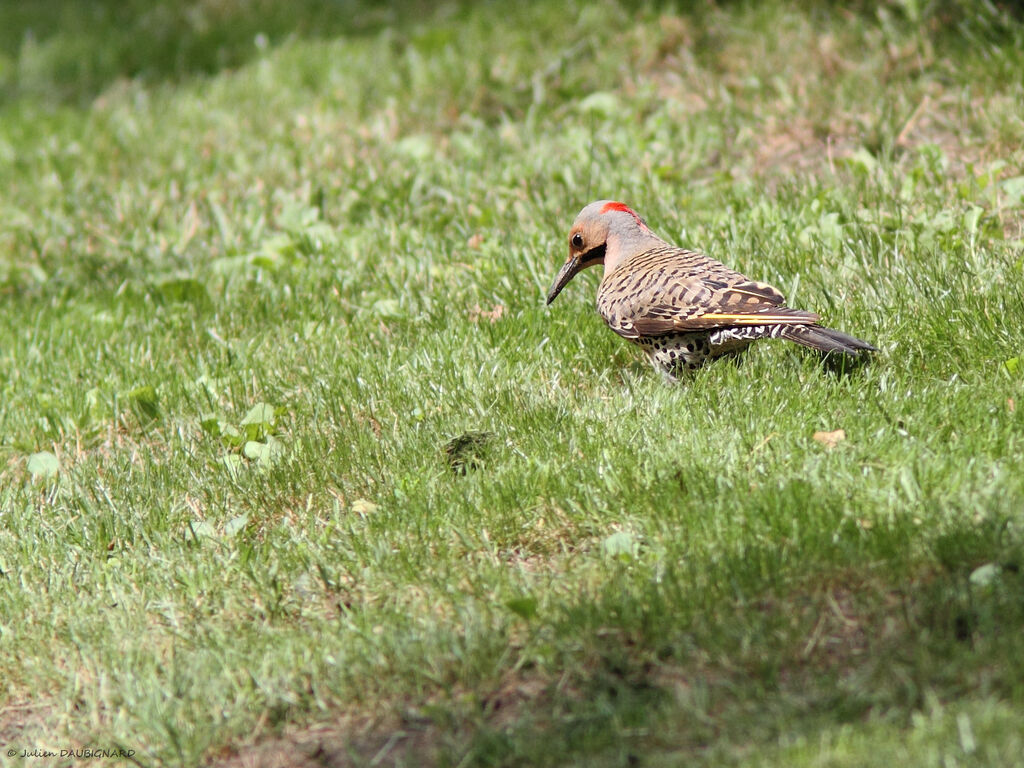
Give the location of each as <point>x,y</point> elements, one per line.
<point>623,246</point>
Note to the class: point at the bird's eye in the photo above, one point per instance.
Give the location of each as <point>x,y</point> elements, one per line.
<point>577,241</point>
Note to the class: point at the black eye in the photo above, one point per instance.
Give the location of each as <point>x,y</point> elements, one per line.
<point>577,241</point>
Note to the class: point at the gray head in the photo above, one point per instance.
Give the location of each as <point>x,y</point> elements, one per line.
<point>605,232</point>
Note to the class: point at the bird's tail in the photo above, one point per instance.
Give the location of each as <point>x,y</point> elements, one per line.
<point>826,340</point>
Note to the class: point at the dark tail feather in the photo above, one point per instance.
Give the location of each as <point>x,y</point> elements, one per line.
<point>826,340</point>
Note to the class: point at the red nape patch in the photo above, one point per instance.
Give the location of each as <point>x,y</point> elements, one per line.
<point>623,208</point>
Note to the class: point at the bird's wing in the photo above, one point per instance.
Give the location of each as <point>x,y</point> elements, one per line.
<point>660,319</point>
<point>674,290</point>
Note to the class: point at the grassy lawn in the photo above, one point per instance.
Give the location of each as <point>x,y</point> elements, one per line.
<point>296,468</point>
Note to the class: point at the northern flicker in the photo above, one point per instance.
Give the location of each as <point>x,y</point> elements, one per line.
<point>680,306</point>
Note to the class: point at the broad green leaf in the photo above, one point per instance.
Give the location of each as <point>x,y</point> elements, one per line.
<point>211,424</point>
<point>96,408</point>
<point>1013,188</point>
<point>525,606</point>
<point>201,530</point>
<point>215,426</point>
<point>145,402</point>
<point>601,103</point>
<point>183,290</point>
<point>265,453</point>
<point>861,160</point>
<point>416,147</point>
<point>621,546</point>
<point>971,218</point>
<point>389,309</point>
<point>986,574</point>
<point>230,435</point>
<point>259,421</point>
<point>43,465</point>
<point>235,525</point>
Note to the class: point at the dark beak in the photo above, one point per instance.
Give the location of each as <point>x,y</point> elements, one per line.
<point>565,274</point>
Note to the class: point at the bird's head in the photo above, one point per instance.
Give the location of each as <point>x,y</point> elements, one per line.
<point>606,233</point>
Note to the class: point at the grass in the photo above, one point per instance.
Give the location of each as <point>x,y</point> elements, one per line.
<point>296,465</point>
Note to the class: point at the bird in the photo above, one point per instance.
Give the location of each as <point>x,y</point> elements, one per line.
<point>681,307</point>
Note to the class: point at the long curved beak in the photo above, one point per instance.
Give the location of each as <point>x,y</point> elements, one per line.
<point>565,274</point>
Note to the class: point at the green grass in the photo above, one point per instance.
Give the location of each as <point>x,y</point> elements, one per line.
<point>290,445</point>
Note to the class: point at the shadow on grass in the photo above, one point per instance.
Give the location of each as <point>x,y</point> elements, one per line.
<point>641,681</point>
<point>68,52</point>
